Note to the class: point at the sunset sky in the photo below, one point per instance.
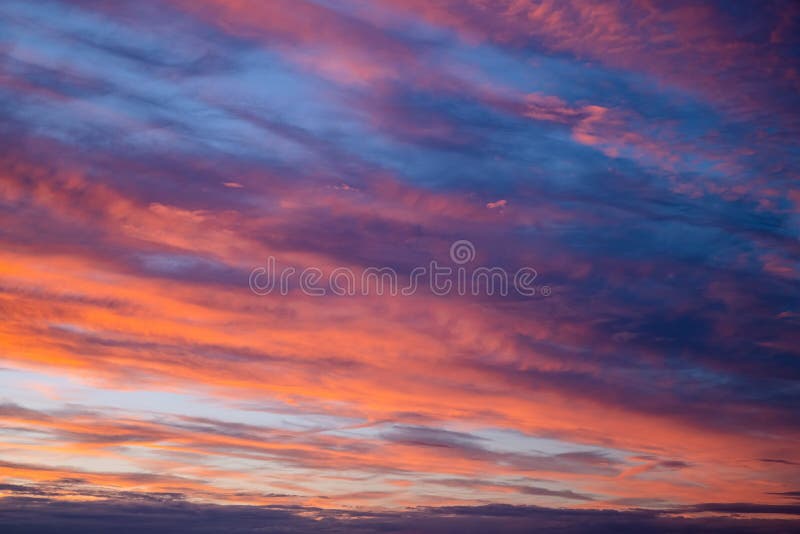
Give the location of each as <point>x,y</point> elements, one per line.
<point>641,156</point>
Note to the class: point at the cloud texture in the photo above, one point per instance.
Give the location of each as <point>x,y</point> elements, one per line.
<point>640,156</point>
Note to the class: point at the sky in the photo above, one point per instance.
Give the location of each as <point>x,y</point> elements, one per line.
<point>638,159</point>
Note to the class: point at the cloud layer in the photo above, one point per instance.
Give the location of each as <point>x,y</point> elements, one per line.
<point>641,157</point>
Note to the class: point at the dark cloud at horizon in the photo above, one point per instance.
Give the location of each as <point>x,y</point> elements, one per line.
<point>40,516</point>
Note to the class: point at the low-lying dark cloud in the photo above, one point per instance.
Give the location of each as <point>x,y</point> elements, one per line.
<point>43,516</point>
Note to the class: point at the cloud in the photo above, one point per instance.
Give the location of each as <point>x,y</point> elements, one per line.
<point>152,156</point>
<point>41,515</point>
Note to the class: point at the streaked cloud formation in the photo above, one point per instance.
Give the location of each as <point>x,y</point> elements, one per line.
<point>642,156</point>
